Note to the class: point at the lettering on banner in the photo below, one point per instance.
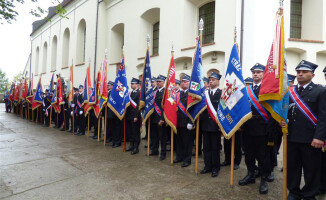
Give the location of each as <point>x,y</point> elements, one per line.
<point>220,114</point>
<point>229,118</point>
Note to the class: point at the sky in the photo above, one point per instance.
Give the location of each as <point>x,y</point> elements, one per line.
<point>15,43</point>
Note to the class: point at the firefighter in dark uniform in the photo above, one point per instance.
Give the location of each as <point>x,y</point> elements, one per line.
<point>211,132</point>
<point>255,137</point>
<point>116,130</point>
<point>200,141</point>
<point>133,118</point>
<point>158,127</point>
<point>81,122</point>
<point>306,134</point>
<point>323,172</point>
<point>66,109</point>
<point>74,110</point>
<point>184,137</point>
<point>46,109</point>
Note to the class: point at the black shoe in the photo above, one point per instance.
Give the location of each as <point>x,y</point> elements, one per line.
<point>129,148</point>
<point>225,163</point>
<point>249,179</point>
<point>177,161</point>
<point>79,134</point>
<point>292,197</point>
<point>214,173</point>
<point>185,164</point>
<point>205,171</point>
<point>116,145</point>
<point>162,157</point>
<point>152,153</point>
<point>135,151</point>
<point>263,188</point>
<point>257,173</point>
<point>270,177</point>
<point>145,146</point>
<point>236,166</point>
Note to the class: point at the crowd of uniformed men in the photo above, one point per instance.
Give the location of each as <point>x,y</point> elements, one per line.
<point>259,141</point>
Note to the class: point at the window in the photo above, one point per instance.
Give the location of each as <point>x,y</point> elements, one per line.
<point>81,41</point>
<point>156,37</point>
<point>54,53</point>
<point>296,19</point>
<point>207,13</point>
<point>45,57</point>
<point>37,56</point>
<point>65,48</point>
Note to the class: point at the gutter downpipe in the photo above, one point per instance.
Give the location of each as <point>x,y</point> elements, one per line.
<point>96,32</point>
<point>241,34</point>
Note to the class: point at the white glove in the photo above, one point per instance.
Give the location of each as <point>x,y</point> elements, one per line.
<point>72,105</point>
<point>80,112</point>
<point>189,126</point>
<point>71,113</point>
<point>63,102</point>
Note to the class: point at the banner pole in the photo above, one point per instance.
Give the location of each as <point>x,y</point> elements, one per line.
<point>285,165</point>
<point>88,125</point>
<point>172,146</point>
<point>148,135</point>
<point>197,143</point>
<point>124,134</point>
<point>105,124</point>
<point>232,161</point>
<point>64,117</point>
<point>99,127</point>
<point>36,115</point>
<point>50,117</point>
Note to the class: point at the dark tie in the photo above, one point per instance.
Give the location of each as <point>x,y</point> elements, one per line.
<point>255,88</point>
<point>211,93</point>
<point>300,90</point>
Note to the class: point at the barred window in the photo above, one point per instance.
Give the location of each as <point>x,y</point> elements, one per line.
<point>156,37</point>
<point>207,13</point>
<point>295,20</point>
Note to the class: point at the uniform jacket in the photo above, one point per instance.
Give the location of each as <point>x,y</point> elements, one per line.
<point>131,111</point>
<point>182,119</point>
<point>300,128</point>
<point>80,101</point>
<point>155,118</point>
<point>208,124</point>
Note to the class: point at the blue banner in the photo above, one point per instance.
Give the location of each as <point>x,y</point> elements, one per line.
<point>51,87</point>
<point>38,96</point>
<point>196,103</point>
<point>146,94</point>
<point>92,99</point>
<point>85,97</point>
<point>119,97</point>
<point>234,107</point>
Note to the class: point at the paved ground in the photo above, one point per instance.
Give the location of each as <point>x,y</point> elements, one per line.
<point>45,163</point>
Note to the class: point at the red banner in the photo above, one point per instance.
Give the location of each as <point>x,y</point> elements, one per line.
<point>169,98</point>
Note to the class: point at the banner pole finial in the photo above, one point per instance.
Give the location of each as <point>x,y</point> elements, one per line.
<point>148,40</point>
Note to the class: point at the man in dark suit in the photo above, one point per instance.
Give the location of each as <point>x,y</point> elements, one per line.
<point>133,118</point>
<point>211,133</point>
<point>323,177</point>
<point>81,122</point>
<point>306,134</point>
<point>255,135</point>
<point>184,138</point>
<point>65,110</point>
<point>158,128</point>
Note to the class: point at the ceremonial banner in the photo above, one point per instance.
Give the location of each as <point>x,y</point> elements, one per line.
<point>91,101</point>
<point>59,91</point>
<point>169,98</point>
<point>234,108</point>
<point>196,103</point>
<point>70,88</point>
<point>97,96</point>
<point>274,95</point>
<point>51,88</point>
<point>24,91</point>
<point>16,93</point>
<point>11,93</point>
<point>119,97</point>
<point>38,99</point>
<point>146,102</point>
<point>30,95</point>
<point>103,92</point>
<point>87,86</point>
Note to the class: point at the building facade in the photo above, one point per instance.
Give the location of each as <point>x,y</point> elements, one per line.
<point>91,26</point>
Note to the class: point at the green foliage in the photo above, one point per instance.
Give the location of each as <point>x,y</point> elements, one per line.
<point>3,81</point>
<point>8,11</point>
<point>17,77</point>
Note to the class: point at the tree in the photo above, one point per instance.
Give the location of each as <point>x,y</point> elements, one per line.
<point>8,12</point>
<point>17,77</point>
<point>3,81</point>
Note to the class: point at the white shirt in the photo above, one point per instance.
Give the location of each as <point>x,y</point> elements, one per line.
<point>213,90</point>
<point>256,84</point>
<point>304,86</point>
<point>160,89</point>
